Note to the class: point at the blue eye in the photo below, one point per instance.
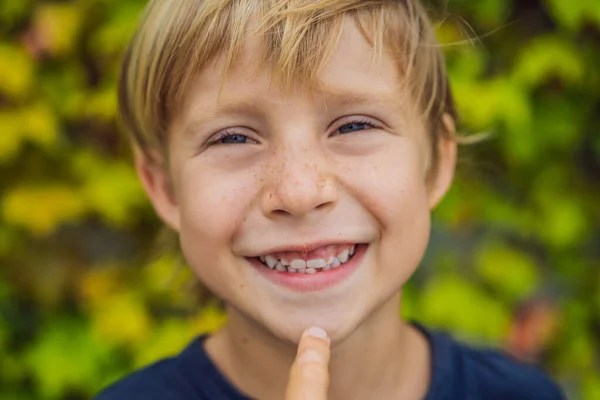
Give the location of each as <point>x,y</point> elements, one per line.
<point>354,127</point>
<point>231,138</point>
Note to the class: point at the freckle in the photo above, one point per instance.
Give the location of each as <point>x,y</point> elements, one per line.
<point>244,340</point>
<point>241,286</point>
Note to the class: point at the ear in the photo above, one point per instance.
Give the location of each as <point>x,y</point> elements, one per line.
<point>441,177</point>
<point>155,178</point>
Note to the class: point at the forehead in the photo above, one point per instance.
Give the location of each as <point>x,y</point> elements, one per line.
<point>354,73</point>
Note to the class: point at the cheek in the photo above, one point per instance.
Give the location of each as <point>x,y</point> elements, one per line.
<point>391,184</point>
<point>392,188</point>
<point>212,208</point>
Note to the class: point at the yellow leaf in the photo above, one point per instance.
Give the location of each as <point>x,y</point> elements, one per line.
<point>10,138</point>
<point>17,71</point>
<point>39,124</point>
<point>42,209</point>
<point>121,319</point>
<point>58,25</point>
<point>168,338</point>
<point>102,104</point>
<point>36,123</point>
<point>125,192</point>
<point>209,320</point>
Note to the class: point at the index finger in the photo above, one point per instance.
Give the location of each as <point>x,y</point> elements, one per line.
<point>309,375</point>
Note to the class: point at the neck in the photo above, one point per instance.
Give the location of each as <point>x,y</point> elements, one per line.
<point>383,358</point>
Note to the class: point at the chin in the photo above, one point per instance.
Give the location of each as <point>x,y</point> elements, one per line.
<point>290,327</point>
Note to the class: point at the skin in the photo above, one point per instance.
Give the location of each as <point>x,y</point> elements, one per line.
<point>298,180</point>
<point>309,375</point>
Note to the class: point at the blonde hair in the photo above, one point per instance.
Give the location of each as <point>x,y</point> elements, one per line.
<point>178,38</point>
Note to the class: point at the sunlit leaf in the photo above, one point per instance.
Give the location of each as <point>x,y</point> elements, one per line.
<point>591,387</point>
<point>102,104</point>
<point>39,124</point>
<point>114,192</point>
<point>511,272</point>
<point>98,175</point>
<point>209,320</point>
<point>549,57</point>
<point>121,319</point>
<point>573,14</point>
<point>57,25</point>
<point>16,69</point>
<point>42,209</point>
<point>563,222</point>
<point>168,338</point>
<point>112,37</point>
<point>64,356</point>
<point>11,137</point>
<point>480,316</point>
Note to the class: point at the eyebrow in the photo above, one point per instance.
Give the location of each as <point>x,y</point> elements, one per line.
<point>349,98</point>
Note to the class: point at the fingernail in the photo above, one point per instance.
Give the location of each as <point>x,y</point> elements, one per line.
<point>315,331</point>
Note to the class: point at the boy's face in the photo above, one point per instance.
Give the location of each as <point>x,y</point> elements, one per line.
<point>340,171</point>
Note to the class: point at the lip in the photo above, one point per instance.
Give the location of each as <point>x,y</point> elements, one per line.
<point>312,282</point>
<point>304,248</point>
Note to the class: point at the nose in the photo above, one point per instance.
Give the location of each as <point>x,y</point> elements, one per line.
<point>300,183</point>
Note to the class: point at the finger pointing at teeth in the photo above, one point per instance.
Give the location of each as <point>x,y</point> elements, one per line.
<point>309,375</point>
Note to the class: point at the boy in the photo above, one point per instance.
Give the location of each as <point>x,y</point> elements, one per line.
<point>297,148</point>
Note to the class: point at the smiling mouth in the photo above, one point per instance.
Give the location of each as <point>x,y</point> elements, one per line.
<point>324,259</point>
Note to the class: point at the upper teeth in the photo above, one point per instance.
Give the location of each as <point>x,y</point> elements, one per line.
<point>309,266</point>
<point>271,261</point>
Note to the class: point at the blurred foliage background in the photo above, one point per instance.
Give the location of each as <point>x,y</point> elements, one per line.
<point>515,253</point>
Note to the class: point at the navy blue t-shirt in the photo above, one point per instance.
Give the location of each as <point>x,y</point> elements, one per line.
<point>458,373</point>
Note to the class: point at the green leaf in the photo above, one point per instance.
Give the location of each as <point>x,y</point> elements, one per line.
<point>512,272</point>
<point>491,13</point>
<point>562,222</point>
<point>547,57</point>
<point>591,387</point>
<point>12,12</point>
<point>65,356</point>
<point>112,37</point>
<point>574,14</point>
<point>168,338</point>
<point>97,174</point>
<point>455,303</point>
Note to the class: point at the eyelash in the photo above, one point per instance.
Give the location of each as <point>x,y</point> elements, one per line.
<point>232,132</point>
<point>226,134</point>
<point>361,121</point>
